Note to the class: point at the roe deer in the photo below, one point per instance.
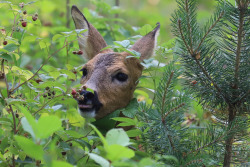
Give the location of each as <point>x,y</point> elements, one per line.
<point>111,76</point>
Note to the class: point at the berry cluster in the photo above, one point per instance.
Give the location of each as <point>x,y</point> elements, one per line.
<point>78,52</point>
<point>49,93</point>
<point>76,94</point>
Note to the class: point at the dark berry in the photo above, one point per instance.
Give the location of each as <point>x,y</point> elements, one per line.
<point>44,96</point>
<point>24,24</point>
<point>49,94</point>
<point>70,144</point>
<point>64,153</point>
<point>25,12</point>
<point>17,115</point>
<point>53,92</point>
<point>74,52</point>
<point>38,80</point>
<point>5,42</point>
<point>47,88</point>
<point>34,18</point>
<point>73,92</point>
<point>79,52</point>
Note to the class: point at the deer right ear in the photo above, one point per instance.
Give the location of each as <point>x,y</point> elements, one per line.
<point>91,41</point>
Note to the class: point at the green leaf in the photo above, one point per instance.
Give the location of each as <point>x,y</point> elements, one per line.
<point>30,148</point>
<point>11,47</point>
<point>134,133</point>
<point>145,29</point>
<point>100,135</point>
<point>61,164</point>
<point>116,152</point>
<point>124,43</point>
<point>131,109</point>
<point>57,36</point>
<point>47,125</point>
<point>117,136</point>
<point>6,56</point>
<point>100,160</point>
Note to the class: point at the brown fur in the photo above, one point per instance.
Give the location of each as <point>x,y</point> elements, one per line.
<point>102,66</point>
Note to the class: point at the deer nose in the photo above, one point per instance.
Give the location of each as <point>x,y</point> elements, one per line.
<point>87,95</point>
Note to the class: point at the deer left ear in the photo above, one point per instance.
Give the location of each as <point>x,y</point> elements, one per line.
<point>146,45</point>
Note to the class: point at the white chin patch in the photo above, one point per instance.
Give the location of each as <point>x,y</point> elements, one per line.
<point>87,114</point>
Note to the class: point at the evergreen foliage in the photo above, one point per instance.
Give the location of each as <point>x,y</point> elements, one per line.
<point>216,60</point>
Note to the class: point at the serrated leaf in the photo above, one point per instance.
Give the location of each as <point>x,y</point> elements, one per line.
<point>11,47</point>
<point>30,148</point>
<point>117,136</point>
<point>6,56</point>
<point>145,29</point>
<point>133,132</point>
<point>47,125</point>
<point>100,160</point>
<point>124,43</point>
<point>116,152</point>
<point>61,164</point>
<point>57,36</point>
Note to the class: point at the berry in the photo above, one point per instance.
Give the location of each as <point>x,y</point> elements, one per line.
<point>194,82</point>
<point>24,12</point>
<point>64,153</point>
<point>24,24</point>
<point>47,88</point>
<point>73,92</point>
<point>5,42</point>
<point>49,94</point>
<point>17,115</point>
<point>34,18</point>
<point>70,144</point>
<point>53,92</point>
<point>79,52</point>
<point>74,52</point>
<point>44,96</point>
<point>38,81</point>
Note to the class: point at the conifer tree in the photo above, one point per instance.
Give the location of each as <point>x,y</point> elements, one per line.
<point>216,60</point>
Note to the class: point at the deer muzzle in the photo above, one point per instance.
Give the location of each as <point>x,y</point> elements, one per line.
<point>89,105</point>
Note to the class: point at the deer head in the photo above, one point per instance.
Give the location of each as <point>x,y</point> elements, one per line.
<point>111,76</point>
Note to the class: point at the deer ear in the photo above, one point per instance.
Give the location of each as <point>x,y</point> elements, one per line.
<point>90,41</point>
<point>147,43</point>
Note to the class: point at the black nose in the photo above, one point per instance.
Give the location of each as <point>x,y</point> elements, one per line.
<point>87,95</point>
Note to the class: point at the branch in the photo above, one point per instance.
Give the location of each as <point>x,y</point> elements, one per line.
<point>183,38</point>
<point>165,92</point>
<point>210,28</point>
<point>11,91</point>
<point>173,109</point>
<point>47,104</point>
<point>189,27</point>
<point>240,32</point>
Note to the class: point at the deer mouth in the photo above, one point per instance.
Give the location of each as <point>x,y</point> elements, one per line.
<point>89,106</point>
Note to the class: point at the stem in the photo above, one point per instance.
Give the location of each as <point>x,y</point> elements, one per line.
<point>230,138</point>
<point>183,38</point>
<point>47,103</point>
<point>238,51</point>
<point>5,79</point>
<point>165,93</point>
<point>67,13</point>
<point>189,27</point>
<point>13,27</point>
<point>11,91</point>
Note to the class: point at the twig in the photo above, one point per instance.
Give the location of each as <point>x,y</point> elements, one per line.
<point>80,137</point>
<point>189,27</point>
<point>173,109</point>
<point>237,59</point>
<point>47,104</point>
<point>40,68</point>
<point>13,28</point>
<point>210,28</point>
<point>165,92</point>
<point>183,38</point>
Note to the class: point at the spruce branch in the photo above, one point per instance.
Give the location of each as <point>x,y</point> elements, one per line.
<point>165,92</point>
<point>183,38</point>
<point>208,31</point>
<point>189,27</point>
<point>173,109</point>
<point>239,43</point>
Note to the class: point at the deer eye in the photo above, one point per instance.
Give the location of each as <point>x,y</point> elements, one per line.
<point>84,71</point>
<point>121,77</point>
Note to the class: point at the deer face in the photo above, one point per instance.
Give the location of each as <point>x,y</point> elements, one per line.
<point>112,76</point>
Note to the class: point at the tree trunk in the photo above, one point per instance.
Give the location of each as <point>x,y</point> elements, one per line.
<point>230,138</point>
